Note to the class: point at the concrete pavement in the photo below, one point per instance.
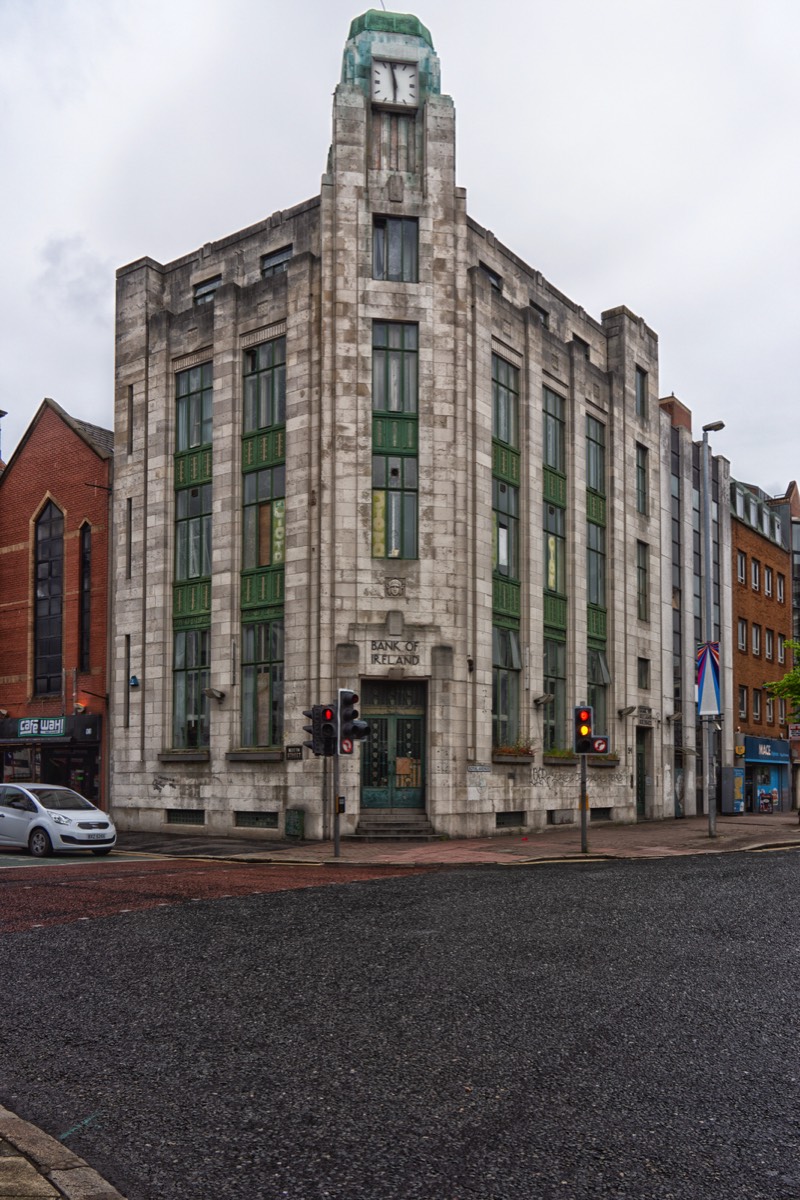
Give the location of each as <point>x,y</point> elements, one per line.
<point>34,1165</point>
<point>646,839</point>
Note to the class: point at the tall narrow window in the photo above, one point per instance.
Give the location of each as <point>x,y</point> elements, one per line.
<point>264,518</point>
<point>506,666</point>
<point>554,428</point>
<point>596,456</point>
<point>394,406</point>
<point>190,676</point>
<point>126,674</point>
<point>194,395</point>
<point>395,249</point>
<point>506,528</point>
<point>555,684</point>
<point>49,584</point>
<point>555,567</point>
<point>643,581</point>
<point>128,536</point>
<point>743,703</point>
<point>598,679</point>
<point>595,564</point>
<point>262,683</point>
<point>641,393</point>
<point>505,553</point>
<point>265,385</point>
<point>193,533</point>
<point>85,598</point>
<point>641,479</point>
<point>130,420</point>
<point>741,566</point>
<point>505,402</point>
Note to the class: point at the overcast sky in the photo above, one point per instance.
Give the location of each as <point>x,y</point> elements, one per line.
<point>637,152</point>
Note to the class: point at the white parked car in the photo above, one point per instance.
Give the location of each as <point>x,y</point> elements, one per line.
<point>45,817</point>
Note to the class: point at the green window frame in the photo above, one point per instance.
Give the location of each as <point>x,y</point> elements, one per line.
<point>505,402</point>
<point>395,476</point>
<point>264,518</point>
<point>596,456</point>
<point>394,506</point>
<point>193,532</point>
<point>265,385</point>
<point>395,374</point>
<point>194,396</point>
<point>598,679</point>
<point>190,676</point>
<point>505,518</point>
<point>506,671</point>
<point>554,713</point>
<point>262,682</point>
<point>554,410</point>
<point>395,249</point>
<point>555,550</point>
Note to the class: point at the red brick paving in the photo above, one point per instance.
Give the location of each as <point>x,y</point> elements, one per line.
<point>59,894</point>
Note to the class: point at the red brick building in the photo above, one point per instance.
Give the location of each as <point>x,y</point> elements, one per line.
<point>762,623</point>
<point>55,503</point>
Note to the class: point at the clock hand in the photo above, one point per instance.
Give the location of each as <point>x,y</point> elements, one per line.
<point>394,83</point>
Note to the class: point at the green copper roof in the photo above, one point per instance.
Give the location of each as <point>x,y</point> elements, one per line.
<point>387,22</point>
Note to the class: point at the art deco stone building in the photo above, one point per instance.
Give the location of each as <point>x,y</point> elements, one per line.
<point>364,444</point>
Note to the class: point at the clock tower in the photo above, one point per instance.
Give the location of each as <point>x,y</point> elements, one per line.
<point>393,244</point>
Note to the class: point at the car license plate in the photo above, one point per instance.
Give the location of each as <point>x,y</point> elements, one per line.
<point>97,837</point>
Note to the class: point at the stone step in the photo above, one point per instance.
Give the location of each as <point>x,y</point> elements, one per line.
<point>394,825</point>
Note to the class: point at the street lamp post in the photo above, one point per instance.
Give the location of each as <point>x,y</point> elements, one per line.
<point>708,622</point>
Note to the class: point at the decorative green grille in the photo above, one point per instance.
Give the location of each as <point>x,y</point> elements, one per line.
<point>191,601</point>
<point>193,466</point>
<point>262,588</point>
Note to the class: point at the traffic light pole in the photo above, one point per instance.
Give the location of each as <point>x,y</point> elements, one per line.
<point>584,809</point>
<point>336,804</point>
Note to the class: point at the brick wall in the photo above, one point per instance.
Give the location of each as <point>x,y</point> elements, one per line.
<point>53,462</point>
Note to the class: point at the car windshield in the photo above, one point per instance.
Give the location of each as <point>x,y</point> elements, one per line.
<point>60,798</point>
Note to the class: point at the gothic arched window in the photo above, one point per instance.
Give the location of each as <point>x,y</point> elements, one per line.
<point>49,588</point>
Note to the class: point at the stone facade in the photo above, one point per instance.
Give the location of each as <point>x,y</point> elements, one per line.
<point>415,634</point>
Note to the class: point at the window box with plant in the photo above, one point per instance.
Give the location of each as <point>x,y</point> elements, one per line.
<point>517,752</point>
<point>556,756</point>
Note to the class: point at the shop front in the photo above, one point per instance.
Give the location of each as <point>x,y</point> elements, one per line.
<point>765,774</point>
<point>63,750</point>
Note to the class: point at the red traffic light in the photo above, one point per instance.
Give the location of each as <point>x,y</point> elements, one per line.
<point>327,714</point>
<point>583,718</point>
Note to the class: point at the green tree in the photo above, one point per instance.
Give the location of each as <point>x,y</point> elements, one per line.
<point>788,688</point>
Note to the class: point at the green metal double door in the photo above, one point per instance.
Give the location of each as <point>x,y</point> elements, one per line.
<point>393,755</point>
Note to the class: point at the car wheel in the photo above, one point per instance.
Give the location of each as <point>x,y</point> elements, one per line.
<point>107,850</point>
<point>39,844</point>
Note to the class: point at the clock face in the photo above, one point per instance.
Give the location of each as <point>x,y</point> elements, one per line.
<point>394,83</point>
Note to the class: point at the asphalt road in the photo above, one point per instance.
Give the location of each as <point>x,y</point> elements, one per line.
<point>598,1030</point>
